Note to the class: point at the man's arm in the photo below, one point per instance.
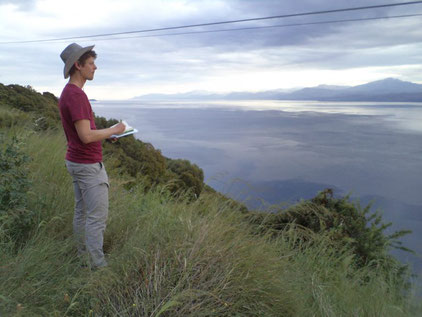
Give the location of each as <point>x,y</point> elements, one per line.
<point>83,128</point>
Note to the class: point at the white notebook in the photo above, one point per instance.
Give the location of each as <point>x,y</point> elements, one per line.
<point>128,131</point>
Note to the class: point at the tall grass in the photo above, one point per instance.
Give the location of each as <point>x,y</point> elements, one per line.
<point>10,117</point>
<point>171,257</point>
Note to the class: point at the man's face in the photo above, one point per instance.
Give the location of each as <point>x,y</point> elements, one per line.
<point>88,70</point>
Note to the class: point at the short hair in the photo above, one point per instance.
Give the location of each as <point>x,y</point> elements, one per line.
<point>82,60</point>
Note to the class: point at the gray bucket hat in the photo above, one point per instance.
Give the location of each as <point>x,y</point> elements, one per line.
<point>71,54</point>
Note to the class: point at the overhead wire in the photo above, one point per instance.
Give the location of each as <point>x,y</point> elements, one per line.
<point>219,23</point>
<point>262,27</point>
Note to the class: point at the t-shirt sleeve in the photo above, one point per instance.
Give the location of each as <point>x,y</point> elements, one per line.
<point>80,108</point>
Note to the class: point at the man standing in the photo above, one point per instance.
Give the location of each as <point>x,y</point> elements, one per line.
<point>84,153</point>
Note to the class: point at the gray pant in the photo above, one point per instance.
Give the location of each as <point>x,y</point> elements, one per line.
<point>90,183</point>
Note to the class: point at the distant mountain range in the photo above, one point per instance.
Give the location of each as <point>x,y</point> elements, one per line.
<point>389,89</point>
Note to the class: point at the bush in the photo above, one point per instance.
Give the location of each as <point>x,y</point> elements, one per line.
<point>43,107</point>
<point>134,157</point>
<point>15,218</point>
<point>346,224</point>
<point>141,160</point>
<point>186,176</point>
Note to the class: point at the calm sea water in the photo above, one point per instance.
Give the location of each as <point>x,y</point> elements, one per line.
<point>365,148</point>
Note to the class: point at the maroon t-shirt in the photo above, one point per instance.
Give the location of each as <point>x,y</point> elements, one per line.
<point>74,105</point>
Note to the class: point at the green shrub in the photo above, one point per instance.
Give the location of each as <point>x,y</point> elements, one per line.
<point>42,106</point>
<point>186,176</point>
<point>346,224</point>
<point>133,157</point>
<point>15,218</point>
<point>141,160</point>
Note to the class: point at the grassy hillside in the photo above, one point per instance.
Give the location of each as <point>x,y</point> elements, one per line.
<point>169,254</point>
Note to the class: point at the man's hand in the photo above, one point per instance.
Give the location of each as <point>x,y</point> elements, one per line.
<point>120,128</point>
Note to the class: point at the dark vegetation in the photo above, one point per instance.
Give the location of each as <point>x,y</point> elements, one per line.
<point>141,160</point>
<point>16,220</point>
<point>42,107</point>
<point>345,223</point>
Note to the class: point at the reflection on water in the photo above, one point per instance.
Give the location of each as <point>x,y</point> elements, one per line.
<point>403,115</point>
<point>366,148</point>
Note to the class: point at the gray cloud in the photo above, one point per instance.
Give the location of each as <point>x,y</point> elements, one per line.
<point>192,58</point>
<point>331,45</point>
<point>23,5</point>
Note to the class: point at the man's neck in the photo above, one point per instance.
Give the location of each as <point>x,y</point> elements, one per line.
<point>77,80</point>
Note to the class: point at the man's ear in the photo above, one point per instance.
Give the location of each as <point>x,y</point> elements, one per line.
<point>77,65</point>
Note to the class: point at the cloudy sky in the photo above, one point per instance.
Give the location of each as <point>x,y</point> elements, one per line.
<point>346,53</point>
